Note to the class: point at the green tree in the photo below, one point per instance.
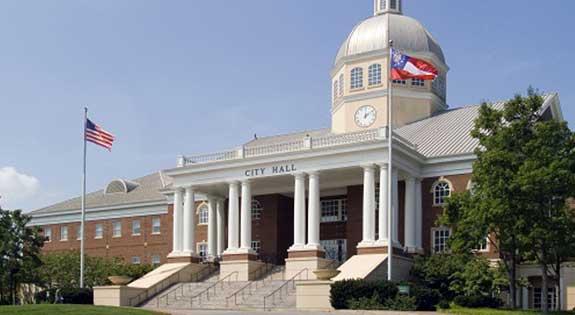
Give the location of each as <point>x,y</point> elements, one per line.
<point>19,252</point>
<point>521,180</point>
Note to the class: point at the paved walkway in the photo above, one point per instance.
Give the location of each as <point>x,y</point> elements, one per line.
<point>294,312</point>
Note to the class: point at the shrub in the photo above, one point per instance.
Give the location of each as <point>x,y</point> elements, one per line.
<point>352,290</point>
<point>67,295</point>
<point>364,303</point>
<point>444,305</point>
<point>401,303</point>
<point>426,299</point>
<point>477,301</point>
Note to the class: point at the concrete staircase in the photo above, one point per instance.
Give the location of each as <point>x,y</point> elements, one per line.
<point>230,295</point>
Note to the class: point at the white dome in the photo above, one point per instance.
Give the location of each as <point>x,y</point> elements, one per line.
<point>408,35</point>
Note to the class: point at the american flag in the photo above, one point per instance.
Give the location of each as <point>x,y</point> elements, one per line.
<point>99,136</point>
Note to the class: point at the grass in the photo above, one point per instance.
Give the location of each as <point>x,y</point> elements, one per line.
<point>456,310</point>
<point>59,309</point>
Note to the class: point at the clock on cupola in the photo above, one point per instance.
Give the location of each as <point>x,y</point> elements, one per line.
<point>360,71</point>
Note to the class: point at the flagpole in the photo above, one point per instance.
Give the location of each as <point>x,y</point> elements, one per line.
<point>83,219</point>
<point>390,185</point>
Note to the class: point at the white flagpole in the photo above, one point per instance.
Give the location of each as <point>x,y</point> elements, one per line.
<point>83,219</point>
<point>390,185</point>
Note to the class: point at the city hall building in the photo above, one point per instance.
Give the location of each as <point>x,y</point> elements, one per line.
<point>311,199</point>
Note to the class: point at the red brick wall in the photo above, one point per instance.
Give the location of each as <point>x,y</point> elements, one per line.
<point>145,245</point>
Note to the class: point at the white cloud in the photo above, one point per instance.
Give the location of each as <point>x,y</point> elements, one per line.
<point>16,187</point>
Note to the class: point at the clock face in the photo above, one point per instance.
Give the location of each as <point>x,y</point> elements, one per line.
<point>365,116</point>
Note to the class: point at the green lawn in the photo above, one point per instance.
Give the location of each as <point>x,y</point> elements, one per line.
<point>50,309</point>
<point>485,311</point>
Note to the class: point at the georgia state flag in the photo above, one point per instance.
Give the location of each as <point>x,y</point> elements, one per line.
<point>406,67</point>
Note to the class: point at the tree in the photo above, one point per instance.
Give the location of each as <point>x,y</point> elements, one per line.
<point>516,199</point>
<point>19,252</point>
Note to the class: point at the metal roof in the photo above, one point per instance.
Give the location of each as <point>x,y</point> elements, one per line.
<point>447,133</point>
<point>407,34</point>
<point>147,190</point>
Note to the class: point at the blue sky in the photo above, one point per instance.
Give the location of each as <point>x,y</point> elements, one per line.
<point>183,77</point>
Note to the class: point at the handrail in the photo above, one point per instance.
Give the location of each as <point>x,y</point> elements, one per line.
<point>140,298</point>
<point>267,267</point>
<point>198,275</point>
<point>285,285</point>
<point>213,286</point>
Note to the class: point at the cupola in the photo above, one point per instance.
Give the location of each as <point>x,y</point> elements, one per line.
<point>387,6</point>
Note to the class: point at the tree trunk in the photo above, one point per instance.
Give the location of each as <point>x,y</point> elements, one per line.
<point>544,290</point>
<point>558,276</point>
<point>512,287</point>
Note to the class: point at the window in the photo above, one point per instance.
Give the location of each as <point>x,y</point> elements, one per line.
<point>79,233</point>
<point>335,249</point>
<point>417,82</point>
<point>382,4</point>
<point>136,228</point>
<point>48,233</point>
<point>64,233</point>
<point>483,245</point>
<point>335,91</point>
<point>156,225</point>
<point>116,229</point>
<point>202,249</point>
<point>551,298</point>
<point>374,74</point>
<point>99,231</point>
<point>441,191</point>
<point>341,85</point>
<point>257,246</point>
<point>334,210</point>
<point>402,82</point>
<point>136,260</point>
<point>393,4</point>
<point>356,78</point>
<point>440,237</point>
<point>438,86</point>
<point>203,214</point>
<point>256,210</point>
<point>156,260</point>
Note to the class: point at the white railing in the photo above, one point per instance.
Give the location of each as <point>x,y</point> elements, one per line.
<point>263,150</point>
<point>307,143</point>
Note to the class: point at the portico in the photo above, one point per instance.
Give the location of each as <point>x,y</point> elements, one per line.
<point>304,179</point>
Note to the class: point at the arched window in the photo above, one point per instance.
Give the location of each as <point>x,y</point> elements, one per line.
<point>256,210</point>
<point>356,78</point>
<point>203,214</point>
<point>335,91</point>
<point>374,74</point>
<point>441,190</point>
<point>341,84</point>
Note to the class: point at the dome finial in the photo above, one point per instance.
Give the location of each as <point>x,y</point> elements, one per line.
<point>387,6</point>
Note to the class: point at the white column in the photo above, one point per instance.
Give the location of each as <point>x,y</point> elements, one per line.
<point>246,217</point>
<point>313,212</point>
<point>418,216</point>
<point>220,221</point>
<point>395,206</point>
<point>383,211</point>
<point>410,214</point>
<point>212,228</point>
<point>299,212</point>
<point>189,242</point>
<point>233,217</point>
<point>368,217</point>
<point>524,298</point>
<point>177,222</point>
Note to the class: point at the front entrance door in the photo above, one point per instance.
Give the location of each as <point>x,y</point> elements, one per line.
<point>335,249</point>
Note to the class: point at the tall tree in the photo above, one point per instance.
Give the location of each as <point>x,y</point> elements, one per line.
<point>521,162</point>
<point>19,251</point>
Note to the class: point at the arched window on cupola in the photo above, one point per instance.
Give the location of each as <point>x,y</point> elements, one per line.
<point>356,78</point>
<point>341,84</point>
<point>335,89</point>
<point>374,74</point>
